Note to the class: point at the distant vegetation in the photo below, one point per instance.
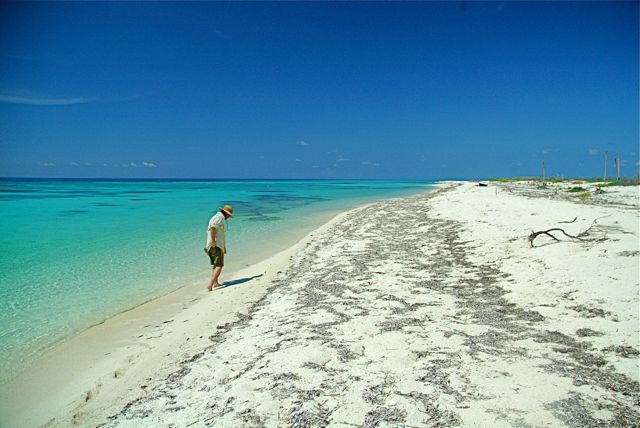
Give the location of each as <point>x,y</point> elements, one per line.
<point>601,183</point>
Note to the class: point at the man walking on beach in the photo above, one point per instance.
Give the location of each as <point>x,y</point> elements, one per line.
<point>216,247</point>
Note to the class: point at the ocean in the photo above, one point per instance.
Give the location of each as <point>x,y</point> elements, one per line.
<point>76,252</point>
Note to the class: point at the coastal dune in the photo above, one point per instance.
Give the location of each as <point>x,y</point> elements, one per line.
<point>427,310</point>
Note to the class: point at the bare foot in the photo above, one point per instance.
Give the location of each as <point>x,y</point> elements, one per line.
<point>210,287</point>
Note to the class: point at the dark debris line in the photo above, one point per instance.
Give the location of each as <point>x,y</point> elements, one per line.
<point>359,295</point>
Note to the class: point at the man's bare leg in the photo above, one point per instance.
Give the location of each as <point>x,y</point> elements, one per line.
<point>214,278</point>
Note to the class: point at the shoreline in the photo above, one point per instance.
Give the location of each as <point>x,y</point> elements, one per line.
<point>116,246</point>
<point>108,361</point>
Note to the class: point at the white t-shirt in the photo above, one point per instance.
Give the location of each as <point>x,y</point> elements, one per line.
<point>220,224</point>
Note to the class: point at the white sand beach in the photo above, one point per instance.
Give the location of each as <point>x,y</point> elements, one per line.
<point>428,310</point>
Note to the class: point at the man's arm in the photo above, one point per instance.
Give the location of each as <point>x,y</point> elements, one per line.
<point>213,232</point>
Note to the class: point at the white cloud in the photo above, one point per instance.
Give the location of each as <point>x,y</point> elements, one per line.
<point>302,143</point>
<point>75,164</point>
<point>547,151</point>
<point>369,163</point>
<point>104,164</point>
<point>49,164</point>
<point>38,101</point>
<point>133,164</point>
<point>315,166</point>
<point>593,152</point>
<point>149,165</point>
<point>298,160</point>
<point>87,164</point>
<point>342,159</point>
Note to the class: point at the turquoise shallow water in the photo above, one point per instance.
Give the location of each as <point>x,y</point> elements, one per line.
<point>74,253</point>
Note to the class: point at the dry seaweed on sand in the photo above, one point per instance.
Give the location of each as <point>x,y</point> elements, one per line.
<point>384,414</point>
<point>577,410</point>
<point>623,351</point>
<point>436,415</point>
<point>587,332</point>
<point>378,393</point>
<point>590,312</point>
<point>308,414</point>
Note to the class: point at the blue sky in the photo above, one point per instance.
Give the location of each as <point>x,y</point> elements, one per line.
<point>317,90</point>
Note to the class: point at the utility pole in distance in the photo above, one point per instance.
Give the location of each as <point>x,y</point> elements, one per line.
<point>606,162</point>
<point>618,167</point>
<point>544,172</point>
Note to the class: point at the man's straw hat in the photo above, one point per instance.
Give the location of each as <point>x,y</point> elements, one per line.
<point>228,209</point>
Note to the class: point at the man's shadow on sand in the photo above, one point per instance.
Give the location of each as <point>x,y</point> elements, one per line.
<point>239,281</point>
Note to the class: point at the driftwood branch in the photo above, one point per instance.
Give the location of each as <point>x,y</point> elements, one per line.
<point>593,223</point>
<point>579,237</point>
<point>572,221</point>
<point>546,232</point>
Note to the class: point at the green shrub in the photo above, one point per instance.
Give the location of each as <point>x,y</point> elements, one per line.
<point>577,189</point>
<point>512,179</point>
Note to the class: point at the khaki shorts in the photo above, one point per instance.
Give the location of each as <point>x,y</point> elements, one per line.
<point>215,256</point>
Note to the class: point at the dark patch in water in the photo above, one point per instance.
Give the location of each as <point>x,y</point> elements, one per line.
<point>73,212</point>
<point>9,190</point>
<point>140,199</point>
<point>286,198</point>
<point>264,218</point>
<point>79,193</point>
<point>104,204</point>
<point>243,209</point>
<point>199,187</point>
<point>53,195</point>
<point>135,192</point>
<point>18,197</point>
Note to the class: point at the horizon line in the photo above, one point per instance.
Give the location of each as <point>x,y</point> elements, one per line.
<point>216,179</point>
